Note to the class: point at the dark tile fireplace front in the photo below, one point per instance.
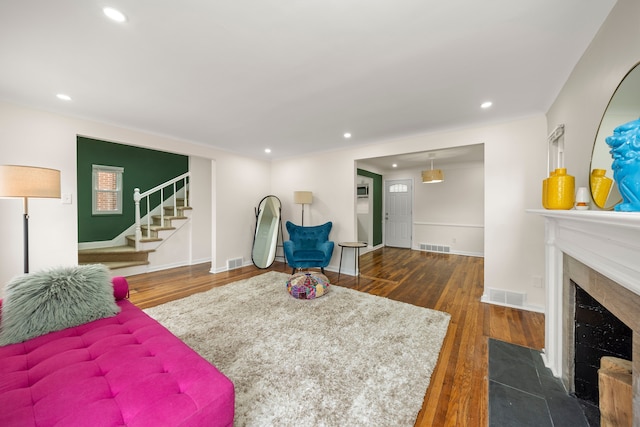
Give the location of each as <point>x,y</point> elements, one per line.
<point>600,318</point>
<point>598,333</point>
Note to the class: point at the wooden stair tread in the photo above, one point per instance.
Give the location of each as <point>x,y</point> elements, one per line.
<point>143,240</point>
<point>153,227</point>
<point>112,249</point>
<point>115,257</point>
<point>114,265</point>
<point>166,217</point>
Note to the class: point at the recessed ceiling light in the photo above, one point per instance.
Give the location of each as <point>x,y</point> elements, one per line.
<point>347,135</point>
<point>486,104</point>
<point>267,150</point>
<point>63,97</point>
<point>114,14</point>
<point>395,165</point>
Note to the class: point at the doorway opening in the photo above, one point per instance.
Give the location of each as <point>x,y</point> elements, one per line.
<point>445,217</point>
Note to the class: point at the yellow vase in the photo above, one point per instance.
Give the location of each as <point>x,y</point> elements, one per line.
<point>545,186</point>
<point>600,187</point>
<point>561,190</point>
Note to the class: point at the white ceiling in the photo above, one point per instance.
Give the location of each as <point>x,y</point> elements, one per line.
<point>468,154</point>
<point>293,76</point>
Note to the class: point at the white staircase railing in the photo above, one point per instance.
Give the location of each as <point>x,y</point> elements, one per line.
<point>137,197</point>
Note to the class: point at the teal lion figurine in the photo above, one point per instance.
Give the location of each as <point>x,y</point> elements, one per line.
<point>625,150</point>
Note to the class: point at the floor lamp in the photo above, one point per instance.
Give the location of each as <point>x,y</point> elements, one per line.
<point>25,182</point>
<point>302,198</point>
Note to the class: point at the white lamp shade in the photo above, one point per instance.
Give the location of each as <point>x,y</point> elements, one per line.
<point>582,195</point>
<point>29,181</point>
<point>303,197</point>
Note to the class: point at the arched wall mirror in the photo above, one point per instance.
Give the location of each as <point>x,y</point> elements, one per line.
<point>623,107</point>
<point>268,228</point>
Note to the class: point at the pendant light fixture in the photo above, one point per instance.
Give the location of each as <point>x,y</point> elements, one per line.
<point>432,175</point>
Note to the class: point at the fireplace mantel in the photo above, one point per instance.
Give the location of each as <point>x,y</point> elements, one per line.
<point>606,241</point>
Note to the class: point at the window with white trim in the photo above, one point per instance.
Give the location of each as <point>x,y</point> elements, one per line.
<point>107,190</point>
<point>398,188</point>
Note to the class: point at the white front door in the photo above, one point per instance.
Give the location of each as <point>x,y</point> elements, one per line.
<point>398,216</point>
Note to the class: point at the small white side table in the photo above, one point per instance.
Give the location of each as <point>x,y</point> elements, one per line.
<point>352,245</point>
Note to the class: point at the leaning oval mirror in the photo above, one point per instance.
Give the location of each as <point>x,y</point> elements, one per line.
<point>623,107</point>
<point>268,228</point>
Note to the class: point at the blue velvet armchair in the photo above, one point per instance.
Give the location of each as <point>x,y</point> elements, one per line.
<point>308,246</point>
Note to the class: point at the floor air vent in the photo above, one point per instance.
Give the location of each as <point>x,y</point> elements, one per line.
<point>435,248</point>
<point>507,297</point>
<point>234,263</point>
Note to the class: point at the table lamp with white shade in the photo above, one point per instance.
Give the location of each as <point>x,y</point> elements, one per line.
<point>302,198</point>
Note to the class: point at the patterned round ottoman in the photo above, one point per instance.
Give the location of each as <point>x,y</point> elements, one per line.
<point>307,285</point>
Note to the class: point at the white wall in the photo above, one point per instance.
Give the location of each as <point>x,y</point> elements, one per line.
<point>201,194</point>
<point>38,138</point>
<point>240,184</point>
<point>515,164</point>
<point>451,212</point>
<point>331,178</point>
<point>584,98</point>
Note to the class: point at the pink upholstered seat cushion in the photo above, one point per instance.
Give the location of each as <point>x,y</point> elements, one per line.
<point>123,370</point>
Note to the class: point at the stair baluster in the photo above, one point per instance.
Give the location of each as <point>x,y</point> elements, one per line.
<point>138,233</point>
<point>137,196</point>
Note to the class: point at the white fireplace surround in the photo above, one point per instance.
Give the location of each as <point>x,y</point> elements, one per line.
<point>606,241</point>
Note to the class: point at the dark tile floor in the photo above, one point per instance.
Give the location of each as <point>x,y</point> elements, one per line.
<point>523,392</point>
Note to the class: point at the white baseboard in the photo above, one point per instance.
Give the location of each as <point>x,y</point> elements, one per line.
<point>224,268</point>
<point>140,269</point>
<point>473,254</point>
<point>371,248</point>
<point>154,268</point>
<point>200,261</point>
<point>452,252</point>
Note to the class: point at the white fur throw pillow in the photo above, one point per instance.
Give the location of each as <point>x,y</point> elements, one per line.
<point>47,301</point>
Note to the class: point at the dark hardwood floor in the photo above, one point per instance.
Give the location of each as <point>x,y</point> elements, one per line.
<point>458,391</point>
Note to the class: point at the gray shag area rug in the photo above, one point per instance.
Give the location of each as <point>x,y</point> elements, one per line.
<point>344,359</point>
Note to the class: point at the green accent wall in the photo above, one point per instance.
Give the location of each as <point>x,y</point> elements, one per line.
<point>143,168</point>
<point>377,204</point>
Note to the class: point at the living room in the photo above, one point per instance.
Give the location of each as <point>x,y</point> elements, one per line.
<point>515,165</point>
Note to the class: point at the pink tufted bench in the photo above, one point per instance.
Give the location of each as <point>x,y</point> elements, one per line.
<point>122,370</point>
